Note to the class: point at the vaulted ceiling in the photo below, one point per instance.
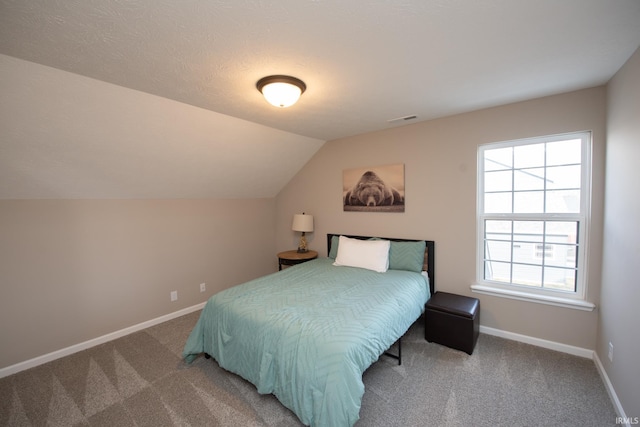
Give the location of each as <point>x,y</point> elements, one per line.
<point>365,63</point>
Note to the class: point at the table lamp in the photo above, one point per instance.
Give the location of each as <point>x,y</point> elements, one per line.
<point>303,223</point>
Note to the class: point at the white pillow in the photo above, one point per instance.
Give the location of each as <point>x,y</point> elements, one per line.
<point>369,254</point>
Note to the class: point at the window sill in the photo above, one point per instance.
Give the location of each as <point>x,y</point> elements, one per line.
<point>540,299</point>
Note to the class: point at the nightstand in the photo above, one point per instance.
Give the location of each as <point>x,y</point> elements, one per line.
<point>294,257</point>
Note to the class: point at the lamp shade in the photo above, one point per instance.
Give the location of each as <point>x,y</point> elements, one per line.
<point>302,222</point>
<point>281,91</point>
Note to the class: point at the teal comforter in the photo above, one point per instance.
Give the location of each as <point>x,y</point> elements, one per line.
<point>307,333</point>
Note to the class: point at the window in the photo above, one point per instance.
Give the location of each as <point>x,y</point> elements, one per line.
<point>533,210</point>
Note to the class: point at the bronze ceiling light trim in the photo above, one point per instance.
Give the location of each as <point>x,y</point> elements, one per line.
<point>280,90</point>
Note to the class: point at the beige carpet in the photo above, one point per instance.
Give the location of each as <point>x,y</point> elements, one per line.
<point>140,380</point>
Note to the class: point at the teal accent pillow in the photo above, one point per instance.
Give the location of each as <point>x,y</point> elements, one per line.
<point>333,253</point>
<point>407,256</point>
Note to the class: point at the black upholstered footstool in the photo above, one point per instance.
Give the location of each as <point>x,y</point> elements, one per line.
<point>452,320</point>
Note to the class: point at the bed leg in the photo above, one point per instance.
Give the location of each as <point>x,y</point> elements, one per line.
<point>399,355</point>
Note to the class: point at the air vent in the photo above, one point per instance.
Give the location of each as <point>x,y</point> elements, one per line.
<point>402,119</point>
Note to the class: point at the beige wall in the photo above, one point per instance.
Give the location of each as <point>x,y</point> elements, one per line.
<point>74,270</point>
<point>440,178</point>
<point>620,304</point>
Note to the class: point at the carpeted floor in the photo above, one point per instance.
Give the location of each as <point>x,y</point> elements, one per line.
<point>140,380</point>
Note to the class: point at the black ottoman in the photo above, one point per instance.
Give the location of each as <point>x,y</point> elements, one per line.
<point>452,320</point>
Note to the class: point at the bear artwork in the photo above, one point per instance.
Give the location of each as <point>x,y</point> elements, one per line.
<point>371,191</point>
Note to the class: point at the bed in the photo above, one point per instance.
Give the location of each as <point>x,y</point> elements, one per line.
<point>307,333</point>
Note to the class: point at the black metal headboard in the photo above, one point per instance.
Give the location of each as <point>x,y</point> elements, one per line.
<point>429,253</point>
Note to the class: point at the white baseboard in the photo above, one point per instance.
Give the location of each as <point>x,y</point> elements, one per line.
<point>551,345</point>
<point>36,361</point>
<point>609,386</point>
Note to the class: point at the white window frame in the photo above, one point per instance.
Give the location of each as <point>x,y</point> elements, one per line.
<point>577,299</point>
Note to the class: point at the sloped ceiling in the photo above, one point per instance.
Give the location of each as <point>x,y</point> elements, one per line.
<point>157,98</point>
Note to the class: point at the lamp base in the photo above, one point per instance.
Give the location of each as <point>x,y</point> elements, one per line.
<point>302,246</point>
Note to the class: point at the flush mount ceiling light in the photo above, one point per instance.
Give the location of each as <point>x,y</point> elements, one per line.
<point>281,91</point>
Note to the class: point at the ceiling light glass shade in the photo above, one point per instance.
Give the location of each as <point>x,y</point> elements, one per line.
<point>281,91</point>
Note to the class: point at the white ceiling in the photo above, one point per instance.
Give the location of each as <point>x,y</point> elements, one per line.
<point>364,62</point>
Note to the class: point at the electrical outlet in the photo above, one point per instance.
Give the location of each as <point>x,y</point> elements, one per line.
<point>611,352</point>
<point>203,287</point>
<point>174,295</point>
